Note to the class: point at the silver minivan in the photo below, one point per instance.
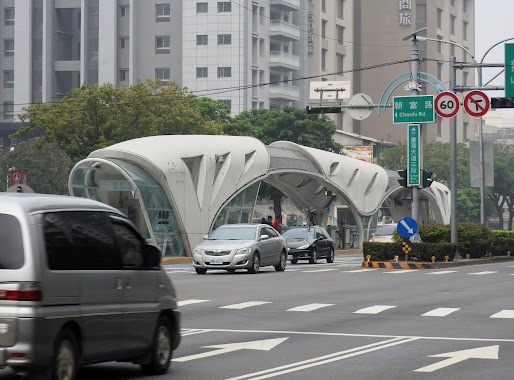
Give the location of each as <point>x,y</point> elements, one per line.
<point>79,285</point>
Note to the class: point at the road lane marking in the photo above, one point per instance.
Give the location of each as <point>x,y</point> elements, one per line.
<point>484,272</point>
<point>320,270</point>
<point>314,362</point>
<point>490,352</point>
<point>440,312</point>
<point>244,305</point>
<point>359,270</point>
<point>504,314</point>
<point>443,272</point>
<point>190,302</point>
<point>311,307</point>
<point>373,309</point>
<point>187,332</point>
<point>401,271</point>
<point>292,270</point>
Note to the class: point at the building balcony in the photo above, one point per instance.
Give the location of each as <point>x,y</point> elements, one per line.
<point>284,91</point>
<point>281,59</point>
<point>285,30</point>
<point>291,4</point>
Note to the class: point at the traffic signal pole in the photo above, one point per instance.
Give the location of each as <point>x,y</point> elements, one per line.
<point>414,55</point>
<point>453,164</point>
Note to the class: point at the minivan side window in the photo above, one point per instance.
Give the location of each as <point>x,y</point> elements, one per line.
<point>130,246</point>
<point>11,254</point>
<point>80,240</point>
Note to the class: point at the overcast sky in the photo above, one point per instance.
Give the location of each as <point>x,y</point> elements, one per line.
<point>493,23</point>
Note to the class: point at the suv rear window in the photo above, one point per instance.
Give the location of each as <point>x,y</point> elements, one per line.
<point>11,252</point>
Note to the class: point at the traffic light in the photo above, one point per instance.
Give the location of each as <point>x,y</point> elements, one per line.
<point>502,102</point>
<point>323,109</point>
<point>403,180</point>
<point>427,178</point>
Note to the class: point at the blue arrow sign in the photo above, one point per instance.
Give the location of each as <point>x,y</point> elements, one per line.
<point>407,227</point>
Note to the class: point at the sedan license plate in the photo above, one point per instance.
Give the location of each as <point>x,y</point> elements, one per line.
<point>289,257</point>
<point>216,261</point>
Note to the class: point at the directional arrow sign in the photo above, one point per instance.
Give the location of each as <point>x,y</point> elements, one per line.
<point>259,345</point>
<point>407,227</point>
<point>489,352</point>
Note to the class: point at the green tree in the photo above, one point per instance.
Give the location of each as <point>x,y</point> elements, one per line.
<point>47,166</point>
<point>93,117</point>
<point>503,191</point>
<point>288,124</point>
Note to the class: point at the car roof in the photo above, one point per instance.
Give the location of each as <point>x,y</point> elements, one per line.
<point>33,203</point>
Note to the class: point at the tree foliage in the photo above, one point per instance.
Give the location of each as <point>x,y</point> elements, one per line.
<point>503,190</point>
<point>47,166</point>
<point>93,117</point>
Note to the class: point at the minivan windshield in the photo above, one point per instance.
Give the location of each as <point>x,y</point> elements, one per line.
<point>385,230</point>
<point>11,252</point>
<point>233,233</point>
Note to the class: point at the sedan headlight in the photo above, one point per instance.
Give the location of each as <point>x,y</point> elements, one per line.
<point>304,246</point>
<point>244,250</point>
<point>198,251</point>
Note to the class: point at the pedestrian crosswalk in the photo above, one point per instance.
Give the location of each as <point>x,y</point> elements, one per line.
<point>438,312</point>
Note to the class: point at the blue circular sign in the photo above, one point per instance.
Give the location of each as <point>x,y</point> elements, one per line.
<point>407,227</point>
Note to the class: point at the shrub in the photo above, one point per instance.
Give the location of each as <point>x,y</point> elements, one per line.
<point>420,251</point>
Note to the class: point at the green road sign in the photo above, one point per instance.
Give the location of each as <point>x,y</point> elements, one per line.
<point>413,109</point>
<point>413,155</point>
<point>509,70</point>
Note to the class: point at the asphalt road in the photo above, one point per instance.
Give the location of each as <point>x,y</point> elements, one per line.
<point>334,321</point>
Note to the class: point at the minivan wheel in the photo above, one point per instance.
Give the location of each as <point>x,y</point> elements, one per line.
<point>201,270</point>
<point>255,264</point>
<point>281,266</point>
<point>330,257</point>
<point>65,358</point>
<point>160,351</point>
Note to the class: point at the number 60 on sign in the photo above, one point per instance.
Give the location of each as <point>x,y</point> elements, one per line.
<point>446,104</point>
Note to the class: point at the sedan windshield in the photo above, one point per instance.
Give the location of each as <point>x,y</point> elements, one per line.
<point>233,233</point>
<point>302,233</point>
<point>385,230</point>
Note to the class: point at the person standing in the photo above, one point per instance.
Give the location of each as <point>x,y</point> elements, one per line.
<point>270,220</point>
<point>340,232</point>
<point>276,223</point>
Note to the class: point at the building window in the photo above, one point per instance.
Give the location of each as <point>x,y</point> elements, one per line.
<point>324,24</point>
<point>465,6</point>
<point>224,39</point>
<point>262,15</point>
<point>224,6</point>
<point>9,47</point>
<point>124,42</point>
<point>324,59</point>
<point>162,13</point>
<point>440,71</point>
<point>340,63</point>
<point>340,9</point>
<point>8,78</point>
<point>8,110</point>
<point>201,72</point>
<point>201,40</point>
<point>323,6</point>
<point>452,24</point>
<point>465,31</point>
<point>124,75</point>
<point>224,72</point>
<point>439,44</point>
<point>9,16</point>
<point>163,75</point>
<point>162,45</point>
<point>124,10</point>
<point>439,18</point>
<point>340,35</point>
<point>228,102</point>
<point>452,3</point>
<point>202,7</point>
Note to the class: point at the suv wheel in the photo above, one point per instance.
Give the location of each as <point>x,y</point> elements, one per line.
<point>160,351</point>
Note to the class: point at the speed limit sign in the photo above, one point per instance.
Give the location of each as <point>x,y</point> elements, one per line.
<point>446,104</point>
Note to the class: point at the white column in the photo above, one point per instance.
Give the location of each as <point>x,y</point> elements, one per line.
<point>22,55</point>
<point>108,42</point>
<point>48,72</point>
<point>84,48</point>
<point>132,44</point>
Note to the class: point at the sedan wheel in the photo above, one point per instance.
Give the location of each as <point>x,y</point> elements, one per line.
<point>255,264</point>
<point>201,270</point>
<point>281,266</point>
<point>330,257</point>
<point>314,257</point>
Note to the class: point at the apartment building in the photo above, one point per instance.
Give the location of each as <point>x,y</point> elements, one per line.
<point>247,53</point>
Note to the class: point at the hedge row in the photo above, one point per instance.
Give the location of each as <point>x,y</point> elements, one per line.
<point>420,251</point>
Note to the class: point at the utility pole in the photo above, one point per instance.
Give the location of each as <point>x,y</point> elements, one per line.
<point>414,55</point>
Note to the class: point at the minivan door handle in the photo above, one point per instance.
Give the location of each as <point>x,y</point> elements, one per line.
<point>119,284</point>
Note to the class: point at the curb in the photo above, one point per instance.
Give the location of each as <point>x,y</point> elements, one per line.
<point>189,260</point>
<point>440,265</point>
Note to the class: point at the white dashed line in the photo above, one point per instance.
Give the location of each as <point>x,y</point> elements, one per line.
<point>311,307</point>
<point>373,309</point>
<point>244,305</point>
<point>484,272</point>
<point>440,312</point>
<point>504,314</point>
<point>190,302</point>
<point>443,272</point>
